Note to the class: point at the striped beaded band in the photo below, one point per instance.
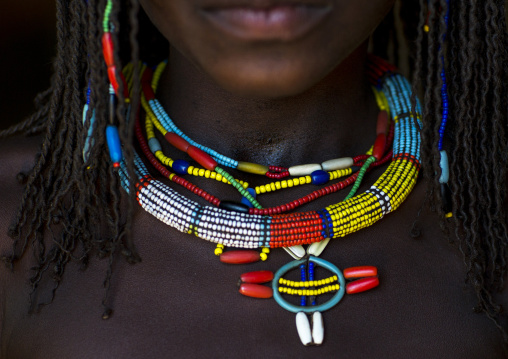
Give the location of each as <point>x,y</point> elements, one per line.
<point>234,229</point>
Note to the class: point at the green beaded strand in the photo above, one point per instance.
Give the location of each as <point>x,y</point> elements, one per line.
<point>238,186</point>
<point>359,179</point>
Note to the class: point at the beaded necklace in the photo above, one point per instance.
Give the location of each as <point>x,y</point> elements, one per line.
<point>264,228</point>
<point>245,230</point>
<point>237,225</point>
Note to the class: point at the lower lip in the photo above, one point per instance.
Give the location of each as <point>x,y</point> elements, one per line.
<point>285,22</point>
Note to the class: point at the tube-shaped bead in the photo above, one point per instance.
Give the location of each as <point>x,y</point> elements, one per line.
<point>107,49</point>
<point>379,146</point>
<point>177,141</point>
<point>382,123</point>
<point>304,170</point>
<point>234,206</point>
<point>113,140</point>
<point>443,163</point>
<point>362,285</point>
<point>359,272</point>
<point>256,290</point>
<point>239,257</point>
<point>201,157</point>
<point>254,168</point>
<point>261,276</point>
<point>337,164</point>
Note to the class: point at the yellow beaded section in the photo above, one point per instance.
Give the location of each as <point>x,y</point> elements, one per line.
<point>297,181</point>
<point>309,292</point>
<point>310,283</point>
<point>363,210</point>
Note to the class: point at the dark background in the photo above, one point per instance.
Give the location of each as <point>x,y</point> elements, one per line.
<point>27,47</point>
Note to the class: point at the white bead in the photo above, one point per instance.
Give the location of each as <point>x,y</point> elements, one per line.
<point>304,170</point>
<point>318,328</point>
<point>317,248</point>
<point>296,252</point>
<point>337,164</point>
<point>303,328</point>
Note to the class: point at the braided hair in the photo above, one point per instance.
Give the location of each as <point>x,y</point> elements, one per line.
<point>65,197</point>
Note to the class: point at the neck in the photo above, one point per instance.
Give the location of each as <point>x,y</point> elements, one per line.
<point>336,117</point>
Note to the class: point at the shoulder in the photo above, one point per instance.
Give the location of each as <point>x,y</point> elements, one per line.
<point>17,155</point>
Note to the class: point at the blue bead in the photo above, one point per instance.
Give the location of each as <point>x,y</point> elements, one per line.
<point>180,167</point>
<point>245,201</point>
<point>113,139</point>
<point>319,177</point>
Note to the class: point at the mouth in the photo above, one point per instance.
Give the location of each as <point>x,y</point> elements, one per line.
<point>282,22</point>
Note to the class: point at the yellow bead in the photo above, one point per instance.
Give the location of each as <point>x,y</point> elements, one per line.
<point>265,250</point>
<point>263,256</point>
<point>284,184</point>
<point>218,251</point>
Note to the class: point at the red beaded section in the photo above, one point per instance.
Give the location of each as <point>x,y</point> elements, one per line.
<point>362,285</point>
<point>359,272</point>
<point>262,276</point>
<point>277,175</point>
<point>296,229</point>
<point>277,169</point>
<point>256,290</point>
<point>164,171</point>
<point>239,257</point>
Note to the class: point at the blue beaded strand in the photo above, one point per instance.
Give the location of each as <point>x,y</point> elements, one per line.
<point>303,277</point>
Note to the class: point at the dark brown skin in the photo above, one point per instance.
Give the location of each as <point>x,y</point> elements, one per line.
<point>285,103</point>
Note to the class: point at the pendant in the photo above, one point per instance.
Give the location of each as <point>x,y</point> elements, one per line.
<point>311,332</point>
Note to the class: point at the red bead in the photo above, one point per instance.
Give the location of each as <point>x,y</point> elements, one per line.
<point>382,123</point>
<point>256,290</point>
<point>107,49</point>
<point>262,276</point>
<point>361,285</point>
<point>239,257</point>
<point>177,141</point>
<point>359,272</point>
<point>379,146</point>
<point>201,157</point>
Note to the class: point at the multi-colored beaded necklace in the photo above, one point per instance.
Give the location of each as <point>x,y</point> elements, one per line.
<point>248,225</point>
<point>251,228</point>
<point>246,230</point>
